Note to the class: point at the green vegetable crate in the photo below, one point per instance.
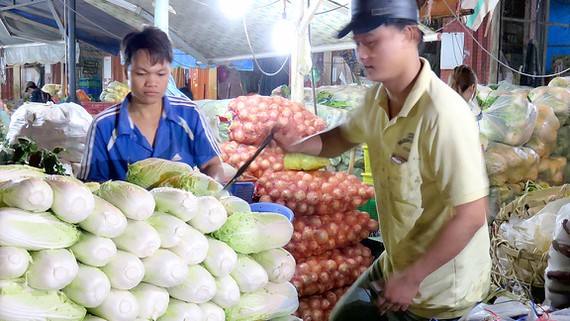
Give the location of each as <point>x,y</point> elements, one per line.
<point>370,208</point>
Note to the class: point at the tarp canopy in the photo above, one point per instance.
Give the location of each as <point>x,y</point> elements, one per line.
<point>197,28</point>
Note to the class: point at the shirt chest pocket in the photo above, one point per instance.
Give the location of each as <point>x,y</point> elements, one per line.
<point>404,179</point>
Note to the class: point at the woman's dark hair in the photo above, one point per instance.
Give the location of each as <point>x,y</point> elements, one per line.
<point>31,84</point>
<point>462,78</point>
<point>151,39</point>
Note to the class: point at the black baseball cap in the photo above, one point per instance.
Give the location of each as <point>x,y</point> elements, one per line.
<point>368,15</point>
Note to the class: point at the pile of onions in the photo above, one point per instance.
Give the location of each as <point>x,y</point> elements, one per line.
<point>236,154</point>
<point>255,116</point>
<point>319,307</point>
<point>314,193</point>
<point>333,269</point>
<point>317,234</point>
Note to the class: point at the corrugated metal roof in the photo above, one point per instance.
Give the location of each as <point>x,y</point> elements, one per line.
<point>197,27</point>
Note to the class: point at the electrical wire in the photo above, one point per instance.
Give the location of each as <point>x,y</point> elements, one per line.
<point>265,5</point>
<point>331,10</point>
<point>255,58</point>
<point>493,56</point>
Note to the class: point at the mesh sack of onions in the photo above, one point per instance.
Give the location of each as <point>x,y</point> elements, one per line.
<point>236,154</point>
<point>314,193</point>
<point>317,234</point>
<point>319,307</point>
<point>331,270</point>
<point>255,116</point>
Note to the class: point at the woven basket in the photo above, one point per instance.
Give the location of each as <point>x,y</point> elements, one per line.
<point>510,263</point>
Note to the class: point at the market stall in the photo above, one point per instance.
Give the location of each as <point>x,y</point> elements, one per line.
<point>171,244</point>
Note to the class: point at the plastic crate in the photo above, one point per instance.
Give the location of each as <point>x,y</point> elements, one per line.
<point>94,108</point>
<point>370,208</point>
<point>274,208</point>
<point>243,190</point>
<point>367,178</point>
<point>367,167</point>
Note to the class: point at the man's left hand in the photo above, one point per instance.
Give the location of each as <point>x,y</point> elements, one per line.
<point>399,291</point>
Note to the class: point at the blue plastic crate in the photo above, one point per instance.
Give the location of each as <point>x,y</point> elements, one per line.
<point>243,190</point>
<point>274,208</point>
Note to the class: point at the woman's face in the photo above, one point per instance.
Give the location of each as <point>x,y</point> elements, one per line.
<point>148,82</point>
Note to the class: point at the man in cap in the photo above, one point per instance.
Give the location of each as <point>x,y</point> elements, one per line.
<point>428,172</point>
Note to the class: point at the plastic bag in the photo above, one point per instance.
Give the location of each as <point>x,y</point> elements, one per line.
<point>533,234</point>
<point>510,120</point>
<point>560,82</point>
<point>563,142</point>
<point>62,125</point>
<point>552,170</point>
<point>557,274</point>
<point>555,97</point>
<point>346,97</point>
<point>4,124</point>
<point>504,307</point>
<point>115,92</point>
<point>215,111</point>
<point>543,139</point>
<point>507,164</point>
<point>333,116</point>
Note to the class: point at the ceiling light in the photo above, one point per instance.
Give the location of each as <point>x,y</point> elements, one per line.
<point>234,8</point>
<point>284,36</point>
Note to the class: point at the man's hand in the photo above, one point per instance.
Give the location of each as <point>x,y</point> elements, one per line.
<point>288,143</point>
<point>214,169</point>
<point>398,293</point>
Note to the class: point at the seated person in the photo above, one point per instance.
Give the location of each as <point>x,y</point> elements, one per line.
<point>36,94</point>
<point>148,123</point>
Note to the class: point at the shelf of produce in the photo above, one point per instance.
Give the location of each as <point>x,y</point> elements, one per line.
<point>95,107</point>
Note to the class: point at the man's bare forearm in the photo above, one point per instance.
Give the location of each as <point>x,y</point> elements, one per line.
<point>452,239</point>
<point>329,143</point>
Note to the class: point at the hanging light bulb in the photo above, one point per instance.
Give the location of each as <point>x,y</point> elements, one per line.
<point>284,33</point>
<point>234,8</point>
